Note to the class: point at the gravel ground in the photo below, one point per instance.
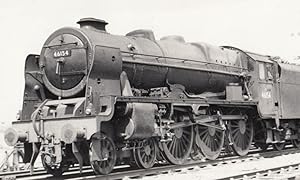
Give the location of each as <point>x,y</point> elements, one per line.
<point>224,171</point>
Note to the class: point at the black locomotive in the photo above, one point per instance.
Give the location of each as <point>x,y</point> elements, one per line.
<point>98,99</point>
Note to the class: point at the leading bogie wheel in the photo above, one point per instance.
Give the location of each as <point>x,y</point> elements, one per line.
<point>105,147</point>
<point>145,153</point>
<point>55,170</point>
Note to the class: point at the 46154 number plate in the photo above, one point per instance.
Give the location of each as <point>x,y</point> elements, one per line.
<point>62,53</point>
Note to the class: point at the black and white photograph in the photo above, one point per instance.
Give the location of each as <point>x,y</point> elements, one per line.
<point>152,90</point>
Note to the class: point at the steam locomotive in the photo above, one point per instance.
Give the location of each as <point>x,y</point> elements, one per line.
<point>93,98</point>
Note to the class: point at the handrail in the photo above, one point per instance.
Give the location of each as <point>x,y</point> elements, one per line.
<point>35,115</point>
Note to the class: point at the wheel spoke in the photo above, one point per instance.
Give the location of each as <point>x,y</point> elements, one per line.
<point>184,138</point>
<point>235,126</point>
<point>239,141</point>
<point>210,142</point>
<point>218,136</point>
<point>206,141</point>
<point>186,132</point>
<point>213,145</point>
<point>184,146</point>
<point>179,150</point>
<point>234,131</point>
<point>205,138</point>
<point>202,131</point>
<point>172,144</point>
<point>176,150</point>
<point>236,135</point>
<point>243,145</point>
<point>141,156</point>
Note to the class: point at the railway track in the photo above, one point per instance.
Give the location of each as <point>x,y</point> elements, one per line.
<point>284,172</point>
<point>121,172</point>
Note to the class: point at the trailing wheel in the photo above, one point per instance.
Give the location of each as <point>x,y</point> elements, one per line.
<point>104,148</point>
<point>178,149</point>
<point>279,136</point>
<point>210,139</point>
<point>260,136</point>
<point>240,134</point>
<point>296,143</point>
<point>145,153</point>
<point>278,146</point>
<point>262,146</point>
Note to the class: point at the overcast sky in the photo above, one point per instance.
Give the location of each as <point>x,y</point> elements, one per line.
<point>268,27</point>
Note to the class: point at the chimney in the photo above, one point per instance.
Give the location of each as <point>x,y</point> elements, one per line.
<point>92,24</point>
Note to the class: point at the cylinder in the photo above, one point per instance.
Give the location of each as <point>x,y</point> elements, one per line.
<point>142,120</point>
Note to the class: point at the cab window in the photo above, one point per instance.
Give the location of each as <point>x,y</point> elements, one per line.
<point>262,73</point>
<point>269,69</point>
